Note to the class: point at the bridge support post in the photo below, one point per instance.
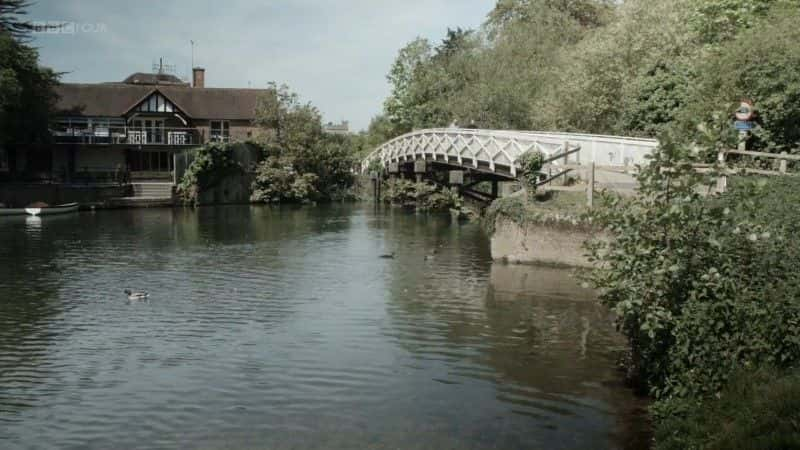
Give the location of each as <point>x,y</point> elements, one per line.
<point>420,168</point>
<point>590,186</point>
<point>495,189</point>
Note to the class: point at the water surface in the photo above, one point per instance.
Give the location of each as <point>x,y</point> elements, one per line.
<point>281,328</point>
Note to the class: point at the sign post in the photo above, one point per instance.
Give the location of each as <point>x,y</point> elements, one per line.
<point>744,121</point>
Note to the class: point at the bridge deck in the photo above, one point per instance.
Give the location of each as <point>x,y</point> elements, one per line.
<point>497,151</point>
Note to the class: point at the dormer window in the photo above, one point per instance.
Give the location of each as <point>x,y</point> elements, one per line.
<point>156,103</point>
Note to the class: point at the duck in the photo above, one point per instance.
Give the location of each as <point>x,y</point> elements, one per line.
<point>431,256</point>
<point>136,295</point>
<point>387,256</point>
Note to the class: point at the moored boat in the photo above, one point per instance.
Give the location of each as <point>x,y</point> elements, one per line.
<point>12,211</point>
<point>52,210</point>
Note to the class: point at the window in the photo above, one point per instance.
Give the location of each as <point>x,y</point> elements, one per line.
<point>156,103</point>
<point>220,131</point>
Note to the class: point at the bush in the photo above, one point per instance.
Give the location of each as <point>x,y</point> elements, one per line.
<point>531,165</point>
<point>277,181</point>
<point>701,286</point>
<point>423,196</point>
<point>757,410</point>
<point>210,165</point>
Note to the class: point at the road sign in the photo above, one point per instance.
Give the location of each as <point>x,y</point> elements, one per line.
<point>743,125</point>
<point>746,111</point>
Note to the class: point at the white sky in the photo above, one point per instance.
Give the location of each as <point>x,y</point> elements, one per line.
<point>334,53</point>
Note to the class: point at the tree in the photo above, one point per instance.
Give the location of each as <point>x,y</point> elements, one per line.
<point>287,124</point>
<point>27,95</point>
<point>10,20</point>
<point>761,63</point>
<point>300,163</point>
<point>401,105</point>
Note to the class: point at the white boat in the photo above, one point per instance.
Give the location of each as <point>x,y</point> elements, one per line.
<point>52,210</point>
<point>12,211</point>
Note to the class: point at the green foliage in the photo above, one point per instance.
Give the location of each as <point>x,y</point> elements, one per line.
<point>27,95</point>
<point>301,163</point>
<point>561,209</point>
<point>422,196</point>
<point>545,64</point>
<point>717,20</point>
<point>276,181</point>
<point>530,166</point>
<point>211,163</point>
<point>761,64</point>
<point>758,409</point>
<point>701,286</point>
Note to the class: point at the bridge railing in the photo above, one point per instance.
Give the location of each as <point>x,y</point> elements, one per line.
<point>498,150</point>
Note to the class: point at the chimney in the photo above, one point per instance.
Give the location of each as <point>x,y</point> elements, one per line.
<point>198,77</point>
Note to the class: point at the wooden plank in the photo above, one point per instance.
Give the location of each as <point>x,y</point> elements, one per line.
<point>764,154</point>
<point>549,179</point>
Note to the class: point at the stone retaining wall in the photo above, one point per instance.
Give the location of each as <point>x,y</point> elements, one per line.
<point>551,244</point>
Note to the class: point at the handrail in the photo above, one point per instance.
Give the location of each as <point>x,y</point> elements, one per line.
<point>502,147</point>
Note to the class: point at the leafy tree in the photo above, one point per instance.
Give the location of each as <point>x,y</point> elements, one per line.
<point>301,163</point>
<point>27,94</point>
<point>401,106</point>
<point>11,21</point>
<point>761,64</point>
<point>717,20</point>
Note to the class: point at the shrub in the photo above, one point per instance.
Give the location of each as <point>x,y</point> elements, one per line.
<point>277,181</point>
<point>530,165</point>
<point>211,163</point>
<point>758,409</point>
<point>700,285</point>
<point>423,196</point>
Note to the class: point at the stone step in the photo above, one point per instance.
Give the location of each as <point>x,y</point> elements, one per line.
<point>153,190</point>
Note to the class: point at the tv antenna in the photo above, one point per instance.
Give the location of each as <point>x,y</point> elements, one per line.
<point>161,68</point>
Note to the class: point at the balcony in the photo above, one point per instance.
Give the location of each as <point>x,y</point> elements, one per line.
<point>177,137</point>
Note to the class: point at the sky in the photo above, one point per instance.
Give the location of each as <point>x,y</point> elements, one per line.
<point>334,53</point>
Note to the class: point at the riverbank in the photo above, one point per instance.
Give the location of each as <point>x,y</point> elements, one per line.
<point>547,229</point>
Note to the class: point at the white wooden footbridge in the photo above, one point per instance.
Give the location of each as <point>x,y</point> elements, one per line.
<point>496,152</point>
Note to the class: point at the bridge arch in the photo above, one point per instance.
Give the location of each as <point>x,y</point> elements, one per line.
<point>497,151</point>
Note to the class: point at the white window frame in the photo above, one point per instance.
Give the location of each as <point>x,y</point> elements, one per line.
<point>224,130</point>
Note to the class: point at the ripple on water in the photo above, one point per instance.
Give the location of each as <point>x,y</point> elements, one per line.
<point>280,328</point>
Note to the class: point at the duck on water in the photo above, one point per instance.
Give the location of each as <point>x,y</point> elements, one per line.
<point>136,295</point>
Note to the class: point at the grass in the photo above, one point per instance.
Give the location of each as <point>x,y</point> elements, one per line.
<point>561,208</point>
<point>756,410</point>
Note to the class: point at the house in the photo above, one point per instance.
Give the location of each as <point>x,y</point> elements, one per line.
<point>135,126</point>
<point>337,128</point>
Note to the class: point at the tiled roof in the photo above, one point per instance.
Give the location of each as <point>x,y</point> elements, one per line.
<point>116,99</point>
<point>154,78</point>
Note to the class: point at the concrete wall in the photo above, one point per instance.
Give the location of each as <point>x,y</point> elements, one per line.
<point>539,243</point>
<point>22,194</point>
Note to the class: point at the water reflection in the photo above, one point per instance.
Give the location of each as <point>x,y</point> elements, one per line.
<point>280,328</point>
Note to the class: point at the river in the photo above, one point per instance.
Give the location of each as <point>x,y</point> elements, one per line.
<point>282,328</point>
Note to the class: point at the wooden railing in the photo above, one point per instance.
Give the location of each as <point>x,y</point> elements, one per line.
<point>783,159</point>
